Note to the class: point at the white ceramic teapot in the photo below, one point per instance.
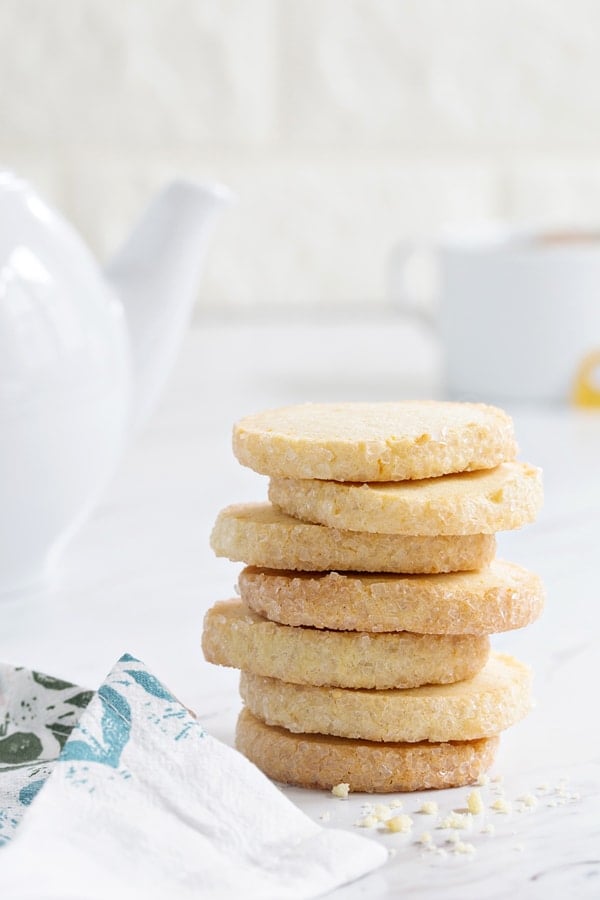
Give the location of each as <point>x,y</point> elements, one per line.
<point>83,356</point>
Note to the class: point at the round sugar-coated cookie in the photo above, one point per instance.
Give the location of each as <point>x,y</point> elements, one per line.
<point>235,636</point>
<point>495,698</point>
<point>322,761</point>
<point>499,597</point>
<point>260,535</point>
<point>483,502</point>
<point>374,441</point>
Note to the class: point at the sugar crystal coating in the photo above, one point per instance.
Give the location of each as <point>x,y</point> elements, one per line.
<point>235,636</point>
<point>497,697</point>
<point>374,441</point>
<point>498,597</point>
<point>259,535</point>
<point>321,761</point>
<point>506,497</point>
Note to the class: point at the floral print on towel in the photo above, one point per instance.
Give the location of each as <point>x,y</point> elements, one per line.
<point>37,714</point>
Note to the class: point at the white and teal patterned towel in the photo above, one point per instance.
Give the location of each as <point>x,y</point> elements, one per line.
<point>37,715</point>
<point>142,803</point>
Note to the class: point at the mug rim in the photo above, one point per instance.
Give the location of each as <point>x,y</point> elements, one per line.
<point>506,239</point>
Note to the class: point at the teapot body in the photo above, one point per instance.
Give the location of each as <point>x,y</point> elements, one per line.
<point>65,383</point>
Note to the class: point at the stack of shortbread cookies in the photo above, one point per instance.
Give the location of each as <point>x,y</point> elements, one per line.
<point>371,589</point>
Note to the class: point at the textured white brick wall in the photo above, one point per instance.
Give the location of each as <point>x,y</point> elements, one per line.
<point>343,125</point>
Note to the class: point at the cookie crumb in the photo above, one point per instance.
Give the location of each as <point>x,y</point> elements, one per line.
<point>429,808</point>
<point>341,790</point>
<point>488,829</point>
<point>396,804</point>
<point>368,822</point>
<point>501,805</point>
<point>475,803</point>
<point>483,779</point>
<point>425,838</point>
<point>402,824</point>
<point>528,800</point>
<point>382,811</point>
<point>463,847</point>
<point>460,821</point>
<point>325,817</point>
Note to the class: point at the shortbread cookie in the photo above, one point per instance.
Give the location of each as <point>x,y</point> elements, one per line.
<point>482,502</point>
<point>321,761</point>
<point>499,597</point>
<point>495,698</point>
<point>260,535</point>
<point>235,636</point>
<point>374,441</point>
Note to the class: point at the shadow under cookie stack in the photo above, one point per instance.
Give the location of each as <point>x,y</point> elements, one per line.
<point>370,591</point>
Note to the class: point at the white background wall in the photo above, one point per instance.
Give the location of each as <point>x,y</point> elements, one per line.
<point>344,125</point>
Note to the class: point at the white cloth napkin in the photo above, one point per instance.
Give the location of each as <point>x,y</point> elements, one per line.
<point>142,803</point>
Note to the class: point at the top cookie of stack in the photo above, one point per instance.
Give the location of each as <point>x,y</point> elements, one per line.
<point>366,442</point>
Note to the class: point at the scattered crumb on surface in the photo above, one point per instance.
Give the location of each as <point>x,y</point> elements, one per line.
<point>383,816</point>
<point>368,822</point>
<point>341,790</point>
<point>382,811</point>
<point>456,820</point>
<point>463,847</point>
<point>475,803</point>
<point>401,823</point>
<point>429,808</point>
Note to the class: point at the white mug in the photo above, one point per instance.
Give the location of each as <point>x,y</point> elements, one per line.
<point>518,313</point>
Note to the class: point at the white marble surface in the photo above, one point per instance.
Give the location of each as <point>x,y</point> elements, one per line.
<point>140,575</point>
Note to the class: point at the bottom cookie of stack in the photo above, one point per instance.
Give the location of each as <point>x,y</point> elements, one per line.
<point>322,761</point>
<point>379,741</point>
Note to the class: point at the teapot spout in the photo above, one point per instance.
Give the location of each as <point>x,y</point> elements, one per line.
<point>156,275</point>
